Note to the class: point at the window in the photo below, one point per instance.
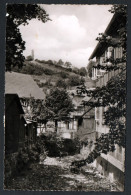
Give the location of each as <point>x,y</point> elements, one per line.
<point>98,72</point>
<point>102,59</point>
<point>109,52</point>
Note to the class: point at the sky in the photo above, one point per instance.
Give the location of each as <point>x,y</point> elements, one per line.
<point>70,35</point>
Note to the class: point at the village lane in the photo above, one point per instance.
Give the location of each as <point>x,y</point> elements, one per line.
<point>54,174</point>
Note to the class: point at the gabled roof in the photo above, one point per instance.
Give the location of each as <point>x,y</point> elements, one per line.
<point>23,85</point>
<point>9,98</point>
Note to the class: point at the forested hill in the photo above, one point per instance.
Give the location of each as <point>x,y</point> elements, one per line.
<point>48,74</point>
<point>38,67</point>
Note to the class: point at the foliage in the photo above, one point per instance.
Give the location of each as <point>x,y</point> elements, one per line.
<point>30,154</point>
<point>59,105</point>
<point>19,14</point>
<point>68,64</point>
<point>50,62</point>
<point>33,69</point>
<point>29,58</point>
<point>53,144</point>
<point>112,96</point>
<point>48,71</point>
<point>59,147</point>
<point>72,146</point>
<point>64,75</point>
<point>61,84</point>
<point>16,163</point>
<point>60,63</point>
<point>74,81</point>
<point>83,71</point>
<point>75,70</point>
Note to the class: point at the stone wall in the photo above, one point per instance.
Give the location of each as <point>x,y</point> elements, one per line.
<point>114,174</point>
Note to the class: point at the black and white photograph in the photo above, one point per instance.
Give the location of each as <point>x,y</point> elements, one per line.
<point>65,97</point>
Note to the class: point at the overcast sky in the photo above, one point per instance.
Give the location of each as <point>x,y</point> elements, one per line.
<point>70,35</point>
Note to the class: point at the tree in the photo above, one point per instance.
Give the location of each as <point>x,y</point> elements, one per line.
<point>19,14</point>
<point>83,71</point>
<point>50,62</point>
<point>113,95</point>
<point>29,58</point>
<point>64,75</point>
<point>60,63</point>
<point>68,65</point>
<point>38,111</point>
<point>61,83</point>
<point>59,104</point>
<point>74,81</point>
<point>75,70</point>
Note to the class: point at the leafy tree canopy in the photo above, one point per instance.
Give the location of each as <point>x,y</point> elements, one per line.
<point>83,71</point>
<point>68,64</point>
<point>19,14</point>
<point>59,104</point>
<point>60,63</point>
<point>61,83</point>
<point>113,95</point>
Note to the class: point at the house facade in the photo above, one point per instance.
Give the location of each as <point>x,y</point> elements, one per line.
<point>111,165</point>
<point>26,88</point>
<point>69,129</point>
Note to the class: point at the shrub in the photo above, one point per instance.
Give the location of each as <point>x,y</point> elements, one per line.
<point>26,156</point>
<point>10,162</point>
<point>72,146</point>
<point>57,146</point>
<point>29,58</point>
<point>69,69</point>
<point>64,75</point>
<point>74,81</point>
<point>50,62</point>
<point>30,154</point>
<point>61,83</point>
<point>48,71</point>
<point>53,144</point>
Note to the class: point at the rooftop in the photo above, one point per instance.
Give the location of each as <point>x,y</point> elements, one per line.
<point>111,30</point>
<point>23,85</point>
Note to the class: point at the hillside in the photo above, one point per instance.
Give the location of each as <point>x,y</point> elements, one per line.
<point>49,75</point>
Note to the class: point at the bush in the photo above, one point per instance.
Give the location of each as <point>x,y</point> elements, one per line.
<point>74,81</point>
<point>72,146</point>
<point>69,69</point>
<point>48,71</point>
<point>29,58</point>
<point>50,62</point>
<point>53,144</point>
<point>10,162</point>
<point>61,84</point>
<point>64,75</point>
<point>28,155</point>
<point>58,147</point>
<point>83,71</point>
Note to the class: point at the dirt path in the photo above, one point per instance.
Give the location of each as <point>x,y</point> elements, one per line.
<point>54,174</point>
